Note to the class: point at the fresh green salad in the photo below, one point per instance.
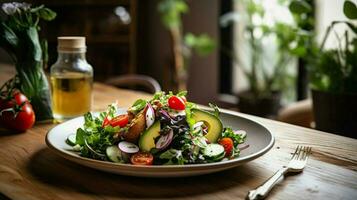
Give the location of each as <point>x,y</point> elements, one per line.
<point>166,130</point>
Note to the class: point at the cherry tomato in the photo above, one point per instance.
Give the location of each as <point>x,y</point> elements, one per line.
<point>20,98</point>
<point>121,120</point>
<point>18,118</point>
<point>142,158</point>
<point>13,99</point>
<point>227,143</point>
<point>176,103</point>
<point>106,122</point>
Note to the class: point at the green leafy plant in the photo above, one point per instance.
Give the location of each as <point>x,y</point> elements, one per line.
<point>266,78</point>
<point>182,44</point>
<point>303,14</point>
<point>335,70</point>
<point>19,37</point>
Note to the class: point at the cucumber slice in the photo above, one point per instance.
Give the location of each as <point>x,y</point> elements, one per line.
<point>213,151</point>
<point>114,154</point>
<point>219,158</point>
<point>71,139</point>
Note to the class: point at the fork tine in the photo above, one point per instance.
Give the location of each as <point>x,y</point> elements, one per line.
<point>298,155</point>
<point>301,153</point>
<point>308,153</point>
<point>304,154</point>
<point>295,153</point>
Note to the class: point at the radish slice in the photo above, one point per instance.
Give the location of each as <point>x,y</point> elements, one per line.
<point>198,124</point>
<point>164,140</point>
<point>149,116</point>
<point>128,147</point>
<point>241,133</point>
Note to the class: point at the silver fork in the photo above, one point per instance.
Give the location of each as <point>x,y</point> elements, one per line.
<point>296,164</point>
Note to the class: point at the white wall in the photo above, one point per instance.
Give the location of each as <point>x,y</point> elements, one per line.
<point>326,12</point>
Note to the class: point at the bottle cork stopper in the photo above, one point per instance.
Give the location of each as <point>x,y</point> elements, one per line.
<point>71,44</point>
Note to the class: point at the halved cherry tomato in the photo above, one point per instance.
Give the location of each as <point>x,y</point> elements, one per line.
<point>106,122</point>
<point>142,158</point>
<point>176,103</point>
<point>121,120</point>
<point>227,143</point>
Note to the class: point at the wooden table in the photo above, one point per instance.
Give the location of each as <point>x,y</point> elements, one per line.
<point>30,170</point>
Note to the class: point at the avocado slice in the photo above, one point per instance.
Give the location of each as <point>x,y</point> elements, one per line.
<point>213,123</point>
<point>147,139</point>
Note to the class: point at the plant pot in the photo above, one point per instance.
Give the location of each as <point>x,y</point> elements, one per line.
<point>335,113</point>
<point>267,106</point>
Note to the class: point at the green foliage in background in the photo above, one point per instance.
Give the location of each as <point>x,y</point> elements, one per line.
<point>335,70</point>
<point>19,37</point>
<point>171,16</point>
<point>290,39</point>
<point>202,44</point>
<point>171,12</point>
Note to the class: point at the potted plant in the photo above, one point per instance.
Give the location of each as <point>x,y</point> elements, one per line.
<point>333,79</point>
<point>266,80</point>
<point>183,45</point>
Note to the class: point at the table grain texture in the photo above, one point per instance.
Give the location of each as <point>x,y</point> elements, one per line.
<point>30,170</point>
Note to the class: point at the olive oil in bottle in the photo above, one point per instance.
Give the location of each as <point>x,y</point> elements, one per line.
<point>71,80</point>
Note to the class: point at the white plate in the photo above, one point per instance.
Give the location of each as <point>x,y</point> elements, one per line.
<point>258,137</point>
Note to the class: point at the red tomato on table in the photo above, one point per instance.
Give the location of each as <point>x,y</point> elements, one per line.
<point>17,113</point>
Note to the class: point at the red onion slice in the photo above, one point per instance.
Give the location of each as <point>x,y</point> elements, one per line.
<point>149,115</point>
<point>128,147</point>
<point>164,140</point>
<point>165,114</point>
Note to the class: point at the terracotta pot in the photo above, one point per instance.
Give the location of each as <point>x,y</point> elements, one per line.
<point>335,113</point>
<point>264,107</point>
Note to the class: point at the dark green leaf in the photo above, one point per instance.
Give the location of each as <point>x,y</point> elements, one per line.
<point>350,9</point>
<point>47,14</point>
<point>174,156</point>
<point>138,105</point>
<point>8,39</point>
<point>169,154</point>
<point>88,118</point>
<point>300,7</point>
<point>80,136</point>
<point>36,9</point>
